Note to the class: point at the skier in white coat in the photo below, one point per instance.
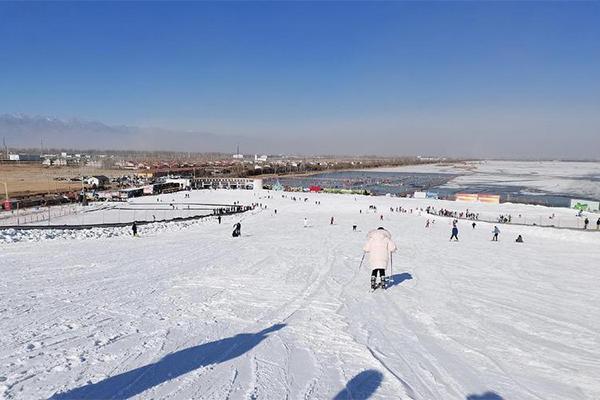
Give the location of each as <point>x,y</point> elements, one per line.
<point>496,232</point>
<point>379,246</point>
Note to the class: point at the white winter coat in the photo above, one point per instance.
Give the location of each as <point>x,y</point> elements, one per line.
<point>379,246</point>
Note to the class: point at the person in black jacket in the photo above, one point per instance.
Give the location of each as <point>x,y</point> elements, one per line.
<point>454,231</point>
<point>237,230</point>
<point>519,239</point>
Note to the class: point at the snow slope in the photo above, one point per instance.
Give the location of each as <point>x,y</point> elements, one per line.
<point>188,312</point>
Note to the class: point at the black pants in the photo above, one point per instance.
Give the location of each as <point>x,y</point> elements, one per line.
<point>376,271</point>
<point>454,235</point>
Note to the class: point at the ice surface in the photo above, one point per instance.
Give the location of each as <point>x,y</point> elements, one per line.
<point>185,311</point>
<point>554,177</point>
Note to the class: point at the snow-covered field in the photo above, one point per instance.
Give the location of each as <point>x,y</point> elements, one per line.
<point>188,312</point>
<point>553,177</point>
<point>147,208</point>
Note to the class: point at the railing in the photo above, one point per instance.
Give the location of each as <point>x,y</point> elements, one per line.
<point>108,215</point>
<point>562,222</point>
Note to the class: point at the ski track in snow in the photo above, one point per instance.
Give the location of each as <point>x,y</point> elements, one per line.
<point>188,312</point>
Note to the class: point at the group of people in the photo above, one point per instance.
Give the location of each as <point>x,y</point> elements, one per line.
<point>380,246</point>
<point>505,219</point>
<point>294,198</point>
<point>443,212</point>
<point>495,231</point>
<point>586,222</point>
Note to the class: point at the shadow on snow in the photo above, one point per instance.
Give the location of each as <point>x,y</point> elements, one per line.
<point>134,382</point>
<point>362,386</point>
<point>485,396</point>
<point>399,278</point>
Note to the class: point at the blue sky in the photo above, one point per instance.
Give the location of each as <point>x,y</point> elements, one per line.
<point>405,74</point>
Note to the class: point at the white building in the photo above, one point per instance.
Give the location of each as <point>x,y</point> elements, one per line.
<point>97,181</point>
<point>182,182</point>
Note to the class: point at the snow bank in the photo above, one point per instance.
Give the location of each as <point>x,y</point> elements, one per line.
<point>35,235</point>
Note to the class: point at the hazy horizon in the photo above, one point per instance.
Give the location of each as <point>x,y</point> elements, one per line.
<point>466,80</point>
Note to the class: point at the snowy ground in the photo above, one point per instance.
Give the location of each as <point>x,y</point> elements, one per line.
<point>553,177</point>
<point>147,208</point>
<point>188,312</point>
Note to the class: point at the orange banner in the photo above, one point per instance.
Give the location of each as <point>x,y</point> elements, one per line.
<point>470,197</point>
<point>489,198</point>
<point>482,198</point>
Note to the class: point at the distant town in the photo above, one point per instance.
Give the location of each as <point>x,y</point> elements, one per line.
<point>45,177</point>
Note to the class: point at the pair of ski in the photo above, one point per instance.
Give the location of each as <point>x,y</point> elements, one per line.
<point>383,284</point>
<point>385,280</point>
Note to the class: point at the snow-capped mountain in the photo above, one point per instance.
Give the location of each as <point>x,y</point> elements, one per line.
<point>22,130</point>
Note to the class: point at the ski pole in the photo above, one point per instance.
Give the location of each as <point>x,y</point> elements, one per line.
<point>361,261</point>
<point>391,268</point>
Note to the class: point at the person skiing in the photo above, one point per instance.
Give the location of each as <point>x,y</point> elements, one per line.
<point>379,246</point>
<point>496,232</point>
<point>454,231</point>
<point>237,229</point>
<point>305,222</point>
<point>219,219</point>
<point>598,224</point>
<point>134,228</point>
<point>427,224</point>
<point>586,222</point>
<point>331,221</point>
<point>473,225</point>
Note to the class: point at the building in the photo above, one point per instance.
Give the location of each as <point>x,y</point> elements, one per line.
<point>131,192</point>
<point>227,183</point>
<point>183,183</point>
<point>262,158</point>
<point>145,174</point>
<point>238,155</point>
<point>97,182</point>
<point>24,157</point>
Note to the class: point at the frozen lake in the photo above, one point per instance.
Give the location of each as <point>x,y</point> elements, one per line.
<point>551,183</point>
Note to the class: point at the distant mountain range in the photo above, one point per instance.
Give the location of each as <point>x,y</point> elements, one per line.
<point>25,131</point>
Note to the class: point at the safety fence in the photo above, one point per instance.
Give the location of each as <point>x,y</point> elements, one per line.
<point>99,221</point>
<point>559,222</point>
